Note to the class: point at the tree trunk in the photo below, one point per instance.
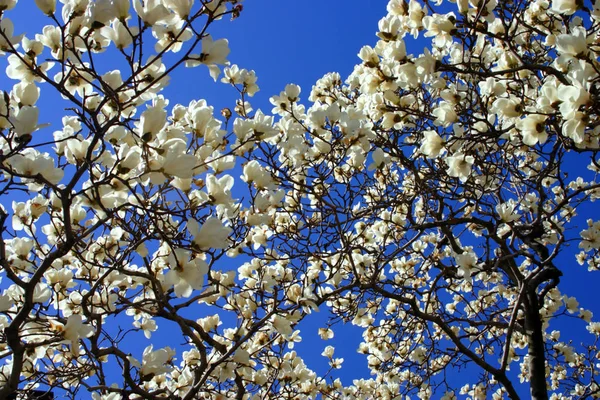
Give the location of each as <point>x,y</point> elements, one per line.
<point>536,349</point>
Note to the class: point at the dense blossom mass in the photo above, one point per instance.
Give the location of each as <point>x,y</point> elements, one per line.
<point>434,200</point>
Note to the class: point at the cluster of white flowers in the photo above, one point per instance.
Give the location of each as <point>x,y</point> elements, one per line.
<point>425,200</point>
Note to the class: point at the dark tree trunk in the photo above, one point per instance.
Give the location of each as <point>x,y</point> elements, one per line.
<point>536,348</point>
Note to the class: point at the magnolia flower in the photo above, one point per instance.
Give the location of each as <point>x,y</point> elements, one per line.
<point>214,52</point>
<point>130,159</point>
<point>7,4</point>
<point>459,166</point>
<point>571,98</point>
<point>26,93</point>
<point>507,211</point>
<point>152,120</point>
<point>212,234</point>
<point>328,352</point>
<point>153,78</point>
<point>573,44</point>
<point>380,159</point>
<point>325,333</point>
<point>567,7</point>
<point>5,303</point>
<point>72,331</point>
<point>571,304</point>
<point>186,272</point>
<point>51,37</point>
<point>282,325</point>
<point>508,107</point>
<point>76,80</point>
<point>25,121</point>
<point>180,7</point>
<point>533,129</point>
<point>176,162</point>
<point>591,236</point>
<point>100,13</point>
<point>255,173</point>
<point>151,12</point>
<point>156,362</point>
<point>432,145</point>
<point>219,190</point>
<point>171,36</point>
<point>574,128</point>
<point>77,150</point>
<point>465,262</point>
<point>148,325</point>
<point>7,39</point>
<point>120,34</point>
<point>21,68</point>
<point>444,114</point>
<point>21,216</point>
<point>42,293</point>
<point>368,56</point>
<point>30,162</point>
<point>233,74</point>
<point>121,9</point>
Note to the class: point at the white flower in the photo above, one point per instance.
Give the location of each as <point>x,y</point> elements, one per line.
<point>26,93</point>
<point>25,121</point>
<point>181,7</point>
<point>5,303</point>
<point>380,159</point>
<point>571,304</point>
<point>444,114</point>
<point>282,325</point>
<point>72,331</point>
<point>571,98</point>
<point>432,145</point>
<point>121,9</point>
<point>120,34</point>
<point>76,80</point>
<point>156,362</point>
<point>325,333</point>
<point>171,36</point>
<point>151,12</point>
<point>573,44</point>
<point>508,107</point>
<point>328,352</point>
<point>507,212</point>
<point>591,236</point>
<point>459,166</point>
<point>214,52</point>
<point>7,27</point>
<point>212,234</point>
<point>219,190</point>
<point>255,173</point>
<point>574,128</point>
<point>566,7</point>
<point>465,262</point>
<point>176,162</point>
<point>186,272</point>
<point>594,328</point>
<point>152,120</point>
<point>148,325</point>
<point>533,129</point>
<point>30,162</point>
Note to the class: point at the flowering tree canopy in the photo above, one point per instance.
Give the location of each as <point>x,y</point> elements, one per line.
<point>432,200</point>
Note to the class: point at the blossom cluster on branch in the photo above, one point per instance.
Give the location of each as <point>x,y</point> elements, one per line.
<point>433,200</point>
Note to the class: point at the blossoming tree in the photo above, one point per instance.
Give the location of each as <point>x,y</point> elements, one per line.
<point>433,200</point>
